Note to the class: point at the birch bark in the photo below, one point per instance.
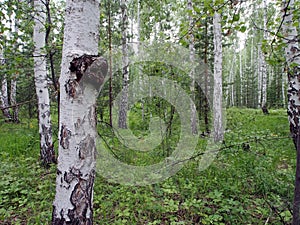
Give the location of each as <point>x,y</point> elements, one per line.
<point>3,93</point>
<point>217,96</point>
<point>13,82</point>
<point>293,93</point>
<point>41,87</point>
<point>264,70</point>
<point>124,100</point>
<point>82,74</point>
<point>192,75</point>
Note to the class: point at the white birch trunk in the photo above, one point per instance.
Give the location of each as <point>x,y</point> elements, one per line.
<point>241,78</point>
<point>253,71</point>
<point>4,99</point>
<point>292,54</point>
<point>259,77</point>
<point>13,82</point>
<point>125,73</point>
<point>293,60</point>
<point>82,74</point>
<point>283,89</point>
<point>40,76</point>
<point>264,70</point>
<point>217,96</point>
<point>140,75</point>
<point>13,99</point>
<point>231,80</point>
<point>192,58</point>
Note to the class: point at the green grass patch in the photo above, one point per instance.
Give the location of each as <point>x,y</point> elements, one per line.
<point>250,182</point>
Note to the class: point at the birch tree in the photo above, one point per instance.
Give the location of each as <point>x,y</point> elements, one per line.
<point>13,81</point>
<point>293,62</point>
<point>82,74</point>
<point>3,93</point>
<point>217,95</point>
<point>125,73</point>
<point>41,86</point>
<point>263,60</point>
<point>192,58</point>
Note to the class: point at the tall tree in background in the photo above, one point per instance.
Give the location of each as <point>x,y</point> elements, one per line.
<point>217,95</point>
<point>192,58</point>
<point>293,66</point>
<point>13,81</point>
<point>125,68</point>
<point>40,75</point>
<point>263,65</point>
<point>82,74</point>
<point>3,92</point>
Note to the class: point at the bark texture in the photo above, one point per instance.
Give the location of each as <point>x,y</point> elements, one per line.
<point>125,69</point>
<point>82,75</point>
<point>264,69</point>
<point>217,98</point>
<point>192,73</point>
<point>41,86</point>
<point>293,93</point>
<point>4,99</point>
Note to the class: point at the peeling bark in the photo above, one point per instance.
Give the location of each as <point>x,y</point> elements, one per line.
<point>82,76</point>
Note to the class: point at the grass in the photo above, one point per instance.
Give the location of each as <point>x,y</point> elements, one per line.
<point>250,182</point>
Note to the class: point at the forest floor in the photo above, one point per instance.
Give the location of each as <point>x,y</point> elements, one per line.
<point>250,182</point>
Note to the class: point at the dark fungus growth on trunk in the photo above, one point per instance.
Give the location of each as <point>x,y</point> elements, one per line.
<point>80,64</point>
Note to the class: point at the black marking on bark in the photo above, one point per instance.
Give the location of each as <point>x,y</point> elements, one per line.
<point>65,135</point>
<point>86,147</point>
<point>47,149</point>
<point>96,73</point>
<point>79,65</point>
<point>81,199</point>
<point>70,88</point>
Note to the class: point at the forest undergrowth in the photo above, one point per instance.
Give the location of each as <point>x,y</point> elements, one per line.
<point>250,182</point>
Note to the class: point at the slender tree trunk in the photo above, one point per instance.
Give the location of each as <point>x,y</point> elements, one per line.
<point>283,84</point>
<point>4,96</point>
<point>217,98</point>
<point>140,75</point>
<point>206,78</point>
<point>259,77</point>
<point>82,75</point>
<point>231,81</point>
<point>13,81</point>
<point>241,78</point>
<point>110,64</point>
<point>40,75</point>
<point>125,67</point>
<point>293,60</point>
<point>264,70</point>
<point>13,99</point>
<point>192,75</point>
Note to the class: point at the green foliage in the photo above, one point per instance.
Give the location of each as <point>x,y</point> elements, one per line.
<point>250,181</point>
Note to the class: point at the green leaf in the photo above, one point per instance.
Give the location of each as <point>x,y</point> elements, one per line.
<point>243,29</point>
<point>236,17</point>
